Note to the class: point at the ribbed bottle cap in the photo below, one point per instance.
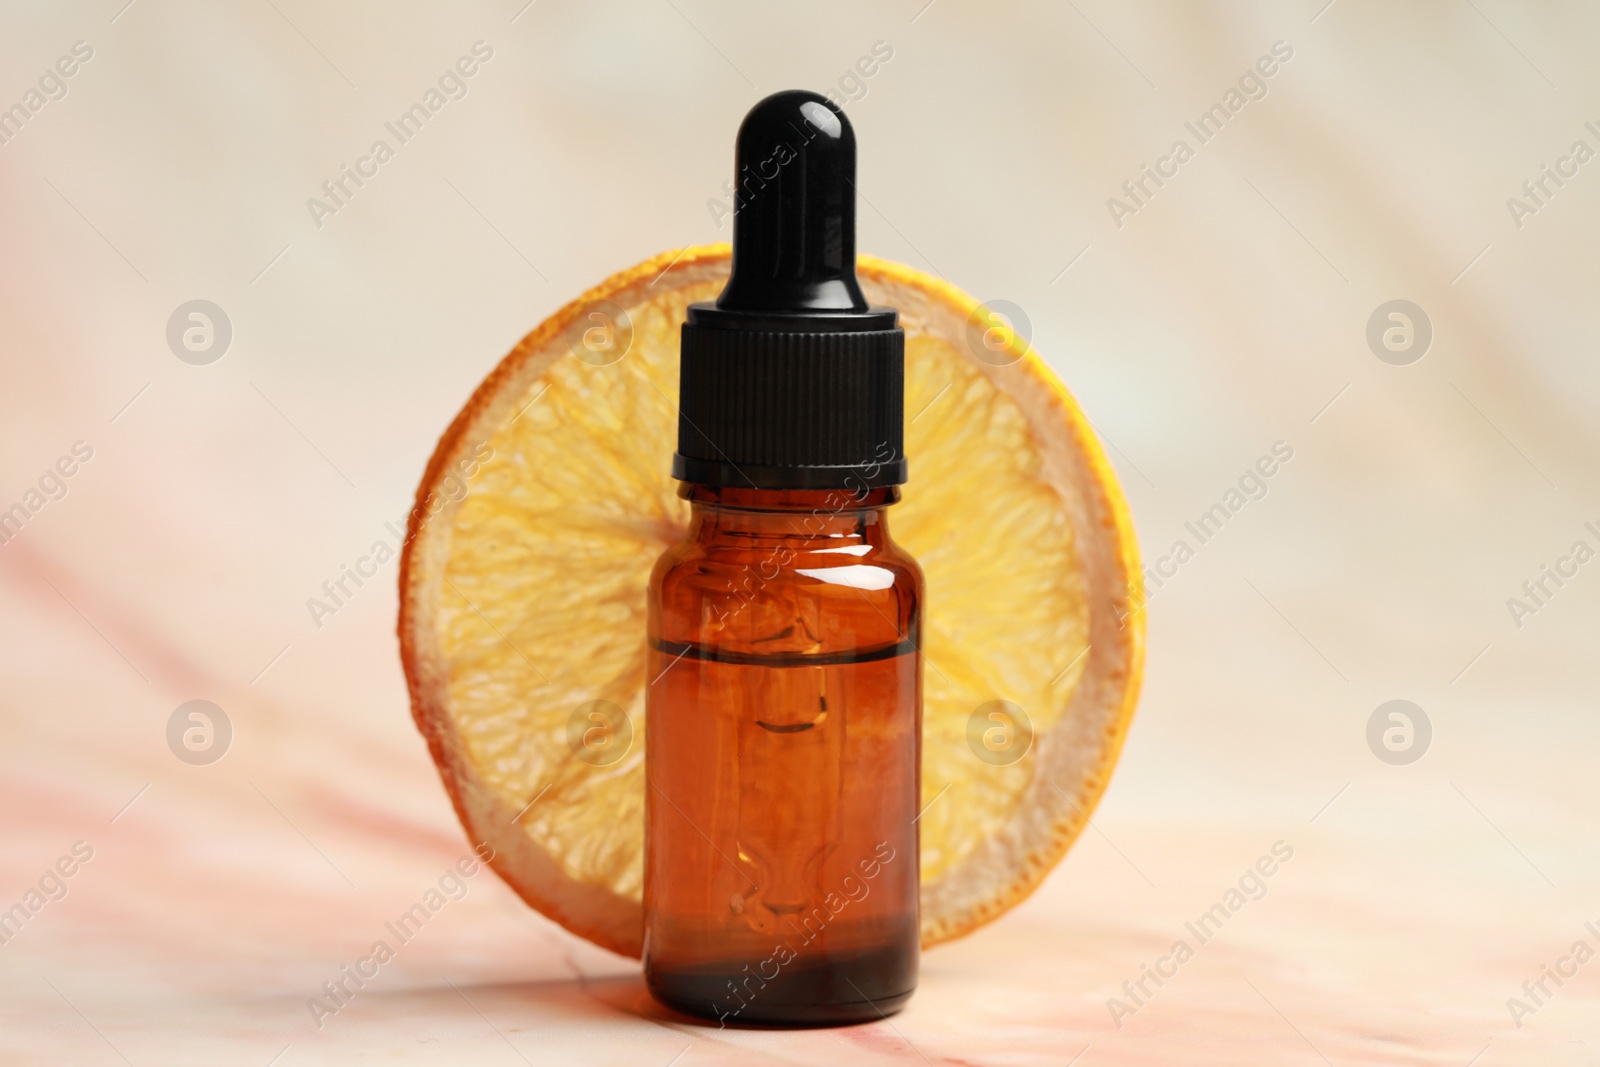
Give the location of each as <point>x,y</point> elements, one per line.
<point>790,380</point>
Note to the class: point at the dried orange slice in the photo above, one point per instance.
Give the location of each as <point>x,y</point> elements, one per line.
<point>522,619</point>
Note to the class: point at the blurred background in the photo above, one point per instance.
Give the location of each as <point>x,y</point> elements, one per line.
<point>179,504</point>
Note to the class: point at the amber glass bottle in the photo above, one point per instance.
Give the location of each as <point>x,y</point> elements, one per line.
<point>783,706</point>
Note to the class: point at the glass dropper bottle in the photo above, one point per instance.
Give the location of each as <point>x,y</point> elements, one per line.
<point>784,705</point>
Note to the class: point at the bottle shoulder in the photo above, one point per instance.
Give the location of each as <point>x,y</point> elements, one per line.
<point>805,595</point>
<point>864,566</point>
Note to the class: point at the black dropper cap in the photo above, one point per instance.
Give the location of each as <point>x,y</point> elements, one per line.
<point>790,380</point>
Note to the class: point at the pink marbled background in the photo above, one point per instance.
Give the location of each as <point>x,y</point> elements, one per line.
<point>1223,316</point>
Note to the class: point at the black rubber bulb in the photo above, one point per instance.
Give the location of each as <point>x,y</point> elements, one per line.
<point>794,223</point>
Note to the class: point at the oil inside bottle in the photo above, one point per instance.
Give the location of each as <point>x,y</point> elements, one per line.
<point>811,848</point>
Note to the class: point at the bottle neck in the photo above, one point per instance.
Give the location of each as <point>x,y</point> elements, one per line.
<point>789,513</point>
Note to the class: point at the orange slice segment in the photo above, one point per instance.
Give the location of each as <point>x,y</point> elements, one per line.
<point>549,499</point>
